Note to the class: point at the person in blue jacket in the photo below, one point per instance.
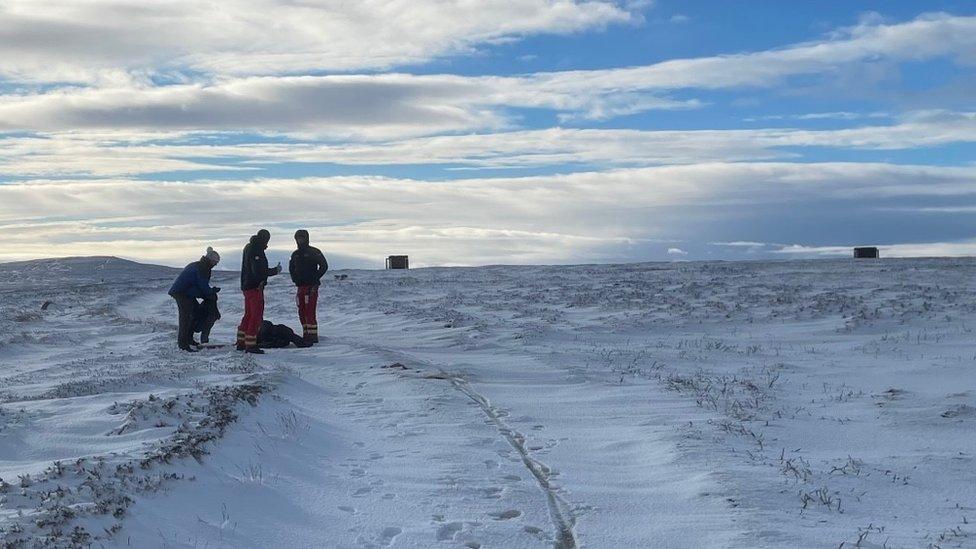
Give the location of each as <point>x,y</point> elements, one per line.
<point>193,284</point>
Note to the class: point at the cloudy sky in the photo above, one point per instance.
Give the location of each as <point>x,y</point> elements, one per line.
<point>491,131</point>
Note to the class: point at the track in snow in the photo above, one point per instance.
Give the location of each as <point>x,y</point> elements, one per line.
<point>563,519</point>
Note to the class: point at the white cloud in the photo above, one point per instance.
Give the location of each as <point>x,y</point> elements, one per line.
<point>960,248</point>
<point>597,216</point>
<point>740,244</point>
<point>835,115</point>
<point>381,105</point>
<point>404,104</point>
<point>119,153</point>
<point>147,97</point>
<point>925,37</point>
<point>676,251</point>
<point>387,104</point>
<point>64,40</point>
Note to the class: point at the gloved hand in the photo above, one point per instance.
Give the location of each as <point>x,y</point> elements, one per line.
<point>216,289</point>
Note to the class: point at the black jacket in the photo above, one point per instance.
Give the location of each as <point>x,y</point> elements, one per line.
<point>205,315</point>
<point>307,266</point>
<point>254,265</point>
<point>276,336</point>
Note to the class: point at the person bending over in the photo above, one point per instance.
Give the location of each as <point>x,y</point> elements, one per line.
<point>193,283</point>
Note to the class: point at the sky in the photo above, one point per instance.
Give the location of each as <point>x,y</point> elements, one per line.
<point>487,132</point>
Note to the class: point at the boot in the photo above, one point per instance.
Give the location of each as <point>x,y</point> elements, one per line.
<point>188,349</point>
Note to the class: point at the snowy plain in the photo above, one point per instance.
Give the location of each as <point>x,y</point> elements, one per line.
<point>825,403</point>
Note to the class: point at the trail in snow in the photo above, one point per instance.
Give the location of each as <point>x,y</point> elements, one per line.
<point>563,519</point>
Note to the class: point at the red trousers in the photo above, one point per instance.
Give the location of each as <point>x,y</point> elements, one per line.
<point>247,332</point>
<point>307,298</point>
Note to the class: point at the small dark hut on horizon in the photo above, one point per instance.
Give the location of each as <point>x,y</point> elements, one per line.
<point>397,262</point>
<point>866,252</point>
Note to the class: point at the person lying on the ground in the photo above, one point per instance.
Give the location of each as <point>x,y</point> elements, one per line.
<point>192,284</point>
<point>276,336</point>
<point>205,315</point>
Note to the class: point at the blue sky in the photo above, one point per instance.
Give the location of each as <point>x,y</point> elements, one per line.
<point>525,131</point>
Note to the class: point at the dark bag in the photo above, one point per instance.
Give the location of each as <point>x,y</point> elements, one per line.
<point>205,315</point>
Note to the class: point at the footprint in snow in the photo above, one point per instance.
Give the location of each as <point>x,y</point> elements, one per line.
<point>449,531</point>
<point>507,514</point>
<point>388,534</point>
<point>347,509</point>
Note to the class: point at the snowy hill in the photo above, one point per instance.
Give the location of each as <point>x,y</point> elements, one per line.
<point>78,270</point>
<point>788,404</point>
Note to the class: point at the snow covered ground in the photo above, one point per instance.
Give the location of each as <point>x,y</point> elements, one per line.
<point>790,404</point>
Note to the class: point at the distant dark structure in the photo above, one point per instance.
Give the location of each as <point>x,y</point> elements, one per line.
<point>397,262</point>
<point>866,252</point>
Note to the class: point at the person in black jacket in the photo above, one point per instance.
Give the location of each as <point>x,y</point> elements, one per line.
<point>254,276</point>
<point>307,267</point>
<point>277,336</point>
<point>192,284</point>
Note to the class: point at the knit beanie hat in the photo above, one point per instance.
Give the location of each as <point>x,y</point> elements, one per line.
<point>212,255</point>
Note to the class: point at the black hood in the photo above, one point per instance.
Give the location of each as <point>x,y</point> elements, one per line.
<point>259,242</point>
<point>301,238</point>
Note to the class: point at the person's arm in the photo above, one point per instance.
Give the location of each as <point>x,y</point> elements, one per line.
<point>247,264</point>
<point>322,266</point>
<point>291,270</point>
<point>260,266</point>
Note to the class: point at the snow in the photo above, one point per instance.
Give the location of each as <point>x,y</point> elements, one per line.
<point>755,404</point>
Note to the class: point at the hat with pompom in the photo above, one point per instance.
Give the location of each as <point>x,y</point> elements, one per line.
<point>212,255</point>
